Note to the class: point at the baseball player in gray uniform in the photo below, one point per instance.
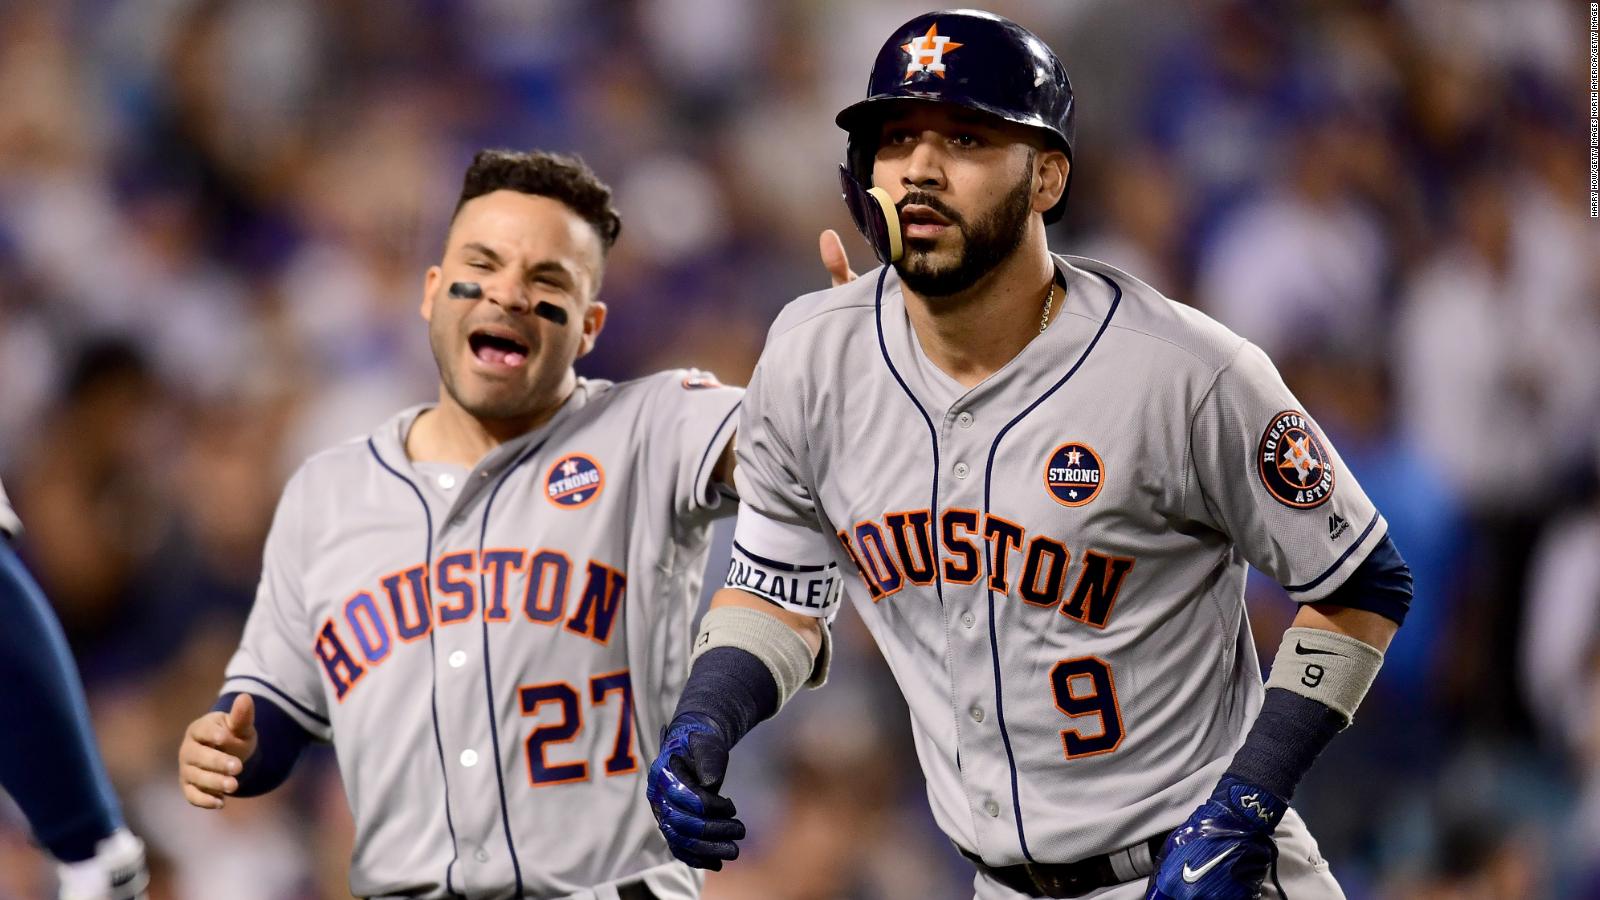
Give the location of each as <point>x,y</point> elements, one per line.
<point>1040,483</point>
<point>486,604</point>
<point>49,763</point>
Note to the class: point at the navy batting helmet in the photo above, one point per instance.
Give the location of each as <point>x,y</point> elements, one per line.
<point>966,58</point>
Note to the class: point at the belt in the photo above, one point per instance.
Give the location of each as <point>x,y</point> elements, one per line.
<point>636,890</point>
<point>1075,879</point>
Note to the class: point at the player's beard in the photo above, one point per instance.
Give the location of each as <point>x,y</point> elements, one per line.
<point>985,243</point>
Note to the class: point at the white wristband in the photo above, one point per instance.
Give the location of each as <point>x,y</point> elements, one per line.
<point>1331,668</point>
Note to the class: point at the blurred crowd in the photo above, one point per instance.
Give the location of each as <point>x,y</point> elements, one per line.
<point>215,216</point>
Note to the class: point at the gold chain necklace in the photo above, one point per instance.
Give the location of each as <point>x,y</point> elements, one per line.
<point>1044,322</point>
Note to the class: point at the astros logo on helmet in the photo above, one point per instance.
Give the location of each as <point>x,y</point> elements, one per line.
<point>927,54</point>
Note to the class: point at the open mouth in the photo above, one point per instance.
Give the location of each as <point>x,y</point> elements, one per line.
<point>497,348</point>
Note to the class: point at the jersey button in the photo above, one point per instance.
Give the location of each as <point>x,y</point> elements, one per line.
<point>967,619</point>
<point>992,808</point>
<point>964,420</point>
<point>977,714</point>
<point>962,470</point>
<point>458,659</point>
<point>481,856</point>
<point>447,481</point>
<point>469,758</point>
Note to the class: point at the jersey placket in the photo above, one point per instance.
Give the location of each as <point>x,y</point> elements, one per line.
<point>981,648</point>
<point>964,435</point>
<point>465,681</point>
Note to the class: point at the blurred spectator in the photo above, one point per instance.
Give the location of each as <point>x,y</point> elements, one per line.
<point>1304,265</point>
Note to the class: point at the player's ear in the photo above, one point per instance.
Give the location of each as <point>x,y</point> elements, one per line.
<point>594,319</point>
<point>430,287</point>
<point>1050,179</point>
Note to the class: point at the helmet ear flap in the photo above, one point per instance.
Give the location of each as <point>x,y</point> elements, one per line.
<point>874,215</point>
<point>870,207</point>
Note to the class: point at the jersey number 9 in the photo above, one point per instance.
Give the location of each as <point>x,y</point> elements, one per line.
<point>1083,687</point>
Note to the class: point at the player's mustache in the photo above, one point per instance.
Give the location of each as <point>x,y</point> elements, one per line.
<point>919,198</point>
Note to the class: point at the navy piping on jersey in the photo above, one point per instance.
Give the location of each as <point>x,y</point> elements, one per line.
<point>787,567</point>
<point>433,686</point>
<point>988,476</point>
<point>715,435</point>
<point>488,677</point>
<point>278,692</point>
<point>933,434</point>
<point>1300,588</point>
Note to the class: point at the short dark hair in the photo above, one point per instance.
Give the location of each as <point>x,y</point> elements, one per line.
<point>554,175</point>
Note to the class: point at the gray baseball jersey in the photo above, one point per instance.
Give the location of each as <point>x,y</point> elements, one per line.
<point>1053,562</point>
<point>9,523</point>
<point>494,652</point>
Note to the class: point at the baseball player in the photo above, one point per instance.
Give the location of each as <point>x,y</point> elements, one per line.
<point>48,760</point>
<point>486,604</point>
<point>1039,481</point>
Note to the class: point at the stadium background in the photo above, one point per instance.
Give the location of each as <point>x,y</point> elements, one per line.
<point>215,214</point>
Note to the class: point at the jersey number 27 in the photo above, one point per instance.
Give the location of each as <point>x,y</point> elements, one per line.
<point>569,705</point>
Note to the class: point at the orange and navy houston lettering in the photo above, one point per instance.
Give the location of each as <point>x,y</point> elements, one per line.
<point>1003,537</point>
<point>1096,591</point>
<point>906,527</point>
<point>378,621</point>
<point>342,668</point>
<point>880,566</point>
<point>412,618</point>
<point>371,631</point>
<point>969,540</point>
<point>850,551</point>
<point>1295,468</point>
<point>546,599</point>
<point>969,567</point>
<point>600,603</point>
<point>497,564</point>
<point>1049,559</point>
<point>465,603</point>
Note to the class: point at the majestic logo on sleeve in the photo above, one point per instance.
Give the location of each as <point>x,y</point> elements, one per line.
<point>1295,467</point>
<point>927,53</point>
<point>574,481</point>
<point>1074,474</point>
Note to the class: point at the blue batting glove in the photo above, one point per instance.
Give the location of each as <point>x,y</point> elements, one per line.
<point>1225,849</point>
<point>697,821</point>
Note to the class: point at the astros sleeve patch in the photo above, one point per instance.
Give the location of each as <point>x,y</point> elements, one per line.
<point>1266,475</point>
